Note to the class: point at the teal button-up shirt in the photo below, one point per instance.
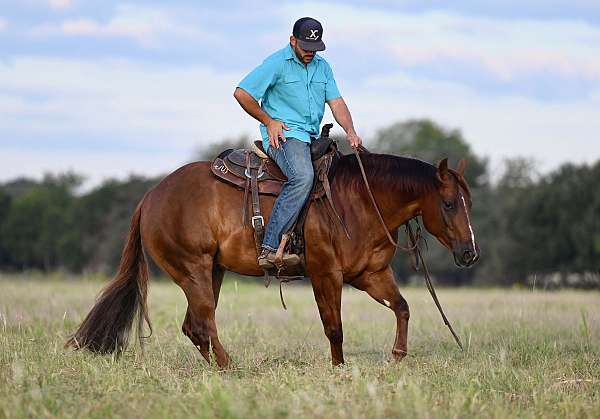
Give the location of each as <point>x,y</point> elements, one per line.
<point>292,93</point>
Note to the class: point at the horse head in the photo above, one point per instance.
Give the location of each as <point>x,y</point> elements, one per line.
<point>447,214</point>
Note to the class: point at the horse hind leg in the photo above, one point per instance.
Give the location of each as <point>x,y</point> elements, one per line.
<point>202,290</point>
<point>200,326</point>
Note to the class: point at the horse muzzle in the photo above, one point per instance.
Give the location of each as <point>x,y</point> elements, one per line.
<point>466,256</point>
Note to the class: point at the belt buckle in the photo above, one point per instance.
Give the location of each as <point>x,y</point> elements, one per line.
<point>258,217</point>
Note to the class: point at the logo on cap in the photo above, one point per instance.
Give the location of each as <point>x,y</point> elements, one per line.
<point>314,34</point>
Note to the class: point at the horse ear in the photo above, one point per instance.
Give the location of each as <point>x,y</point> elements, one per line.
<point>442,171</point>
<point>461,167</point>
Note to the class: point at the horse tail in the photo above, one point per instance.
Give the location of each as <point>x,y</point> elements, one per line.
<point>107,326</point>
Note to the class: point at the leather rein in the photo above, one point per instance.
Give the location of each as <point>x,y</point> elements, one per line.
<point>412,247</point>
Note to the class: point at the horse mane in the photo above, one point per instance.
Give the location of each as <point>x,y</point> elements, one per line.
<point>398,173</point>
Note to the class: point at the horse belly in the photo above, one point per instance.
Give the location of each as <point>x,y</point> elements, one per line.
<point>237,252</point>
<point>236,244</point>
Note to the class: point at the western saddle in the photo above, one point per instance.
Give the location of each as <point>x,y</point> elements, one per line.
<point>256,173</point>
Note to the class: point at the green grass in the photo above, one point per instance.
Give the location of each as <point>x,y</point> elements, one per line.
<point>528,354</point>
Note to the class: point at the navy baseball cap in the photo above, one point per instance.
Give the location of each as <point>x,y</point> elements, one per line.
<point>309,33</point>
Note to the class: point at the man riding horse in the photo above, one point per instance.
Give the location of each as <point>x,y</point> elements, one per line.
<point>189,223</point>
<point>292,85</point>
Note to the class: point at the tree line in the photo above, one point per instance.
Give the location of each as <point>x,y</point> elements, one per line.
<point>531,228</point>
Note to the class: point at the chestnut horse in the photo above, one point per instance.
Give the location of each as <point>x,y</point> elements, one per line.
<point>190,225</point>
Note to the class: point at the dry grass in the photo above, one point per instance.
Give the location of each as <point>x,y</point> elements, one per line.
<point>529,354</point>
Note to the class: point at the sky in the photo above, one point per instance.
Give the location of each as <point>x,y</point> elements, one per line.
<point>108,88</point>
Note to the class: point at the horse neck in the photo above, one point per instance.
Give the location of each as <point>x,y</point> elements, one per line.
<point>396,205</point>
<point>397,200</point>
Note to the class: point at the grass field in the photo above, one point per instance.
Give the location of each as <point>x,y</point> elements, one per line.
<point>529,354</point>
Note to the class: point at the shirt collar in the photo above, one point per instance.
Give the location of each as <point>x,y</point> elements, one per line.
<point>291,55</point>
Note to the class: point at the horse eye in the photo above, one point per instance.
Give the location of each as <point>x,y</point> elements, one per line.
<point>448,205</point>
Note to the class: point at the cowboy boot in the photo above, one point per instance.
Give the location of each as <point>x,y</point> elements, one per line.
<point>266,259</point>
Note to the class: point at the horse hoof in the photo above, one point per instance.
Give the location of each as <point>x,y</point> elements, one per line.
<point>224,364</point>
<point>399,354</point>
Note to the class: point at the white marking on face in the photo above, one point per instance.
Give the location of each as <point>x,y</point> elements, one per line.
<point>387,303</point>
<point>462,197</point>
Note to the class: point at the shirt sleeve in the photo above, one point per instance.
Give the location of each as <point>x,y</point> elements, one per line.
<point>331,89</point>
<point>260,79</point>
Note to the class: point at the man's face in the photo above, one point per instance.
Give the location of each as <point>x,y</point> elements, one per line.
<point>303,55</point>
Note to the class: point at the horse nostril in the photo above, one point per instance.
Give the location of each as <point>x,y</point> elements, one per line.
<point>468,256</point>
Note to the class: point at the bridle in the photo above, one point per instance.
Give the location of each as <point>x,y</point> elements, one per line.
<point>413,240</point>
<point>446,218</point>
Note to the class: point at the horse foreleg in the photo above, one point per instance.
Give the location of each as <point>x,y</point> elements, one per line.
<point>328,295</point>
<point>382,287</point>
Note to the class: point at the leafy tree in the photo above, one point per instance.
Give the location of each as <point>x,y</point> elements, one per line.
<point>34,228</point>
<point>104,215</point>
<point>555,223</point>
<point>492,210</point>
<point>5,204</point>
<point>18,186</point>
<point>426,140</point>
<point>519,173</point>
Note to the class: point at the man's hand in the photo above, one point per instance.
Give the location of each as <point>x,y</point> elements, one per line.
<point>342,116</point>
<point>250,105</point>
<point>353,139</point>
<point>275,131</point>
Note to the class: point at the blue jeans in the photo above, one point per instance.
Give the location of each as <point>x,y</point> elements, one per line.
<point>293,158</point>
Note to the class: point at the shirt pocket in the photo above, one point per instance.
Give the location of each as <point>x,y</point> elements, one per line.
<point>318,85</point>
<point>291,78</point>
<point>293,92</point>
